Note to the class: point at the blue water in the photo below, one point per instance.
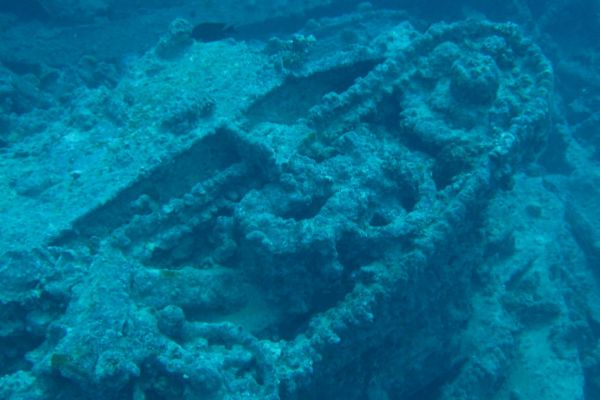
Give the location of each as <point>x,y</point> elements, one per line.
<point>299,200</point>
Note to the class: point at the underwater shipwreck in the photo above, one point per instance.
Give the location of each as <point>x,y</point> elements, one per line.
<point>320,216</point>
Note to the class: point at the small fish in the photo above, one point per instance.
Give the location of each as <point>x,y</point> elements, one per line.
<point>212,31</point>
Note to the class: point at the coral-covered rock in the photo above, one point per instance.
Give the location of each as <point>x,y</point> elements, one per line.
<point>475,80</point>
<point>177,38</point>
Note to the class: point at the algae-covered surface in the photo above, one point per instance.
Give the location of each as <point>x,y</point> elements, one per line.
<point>316,200</point>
